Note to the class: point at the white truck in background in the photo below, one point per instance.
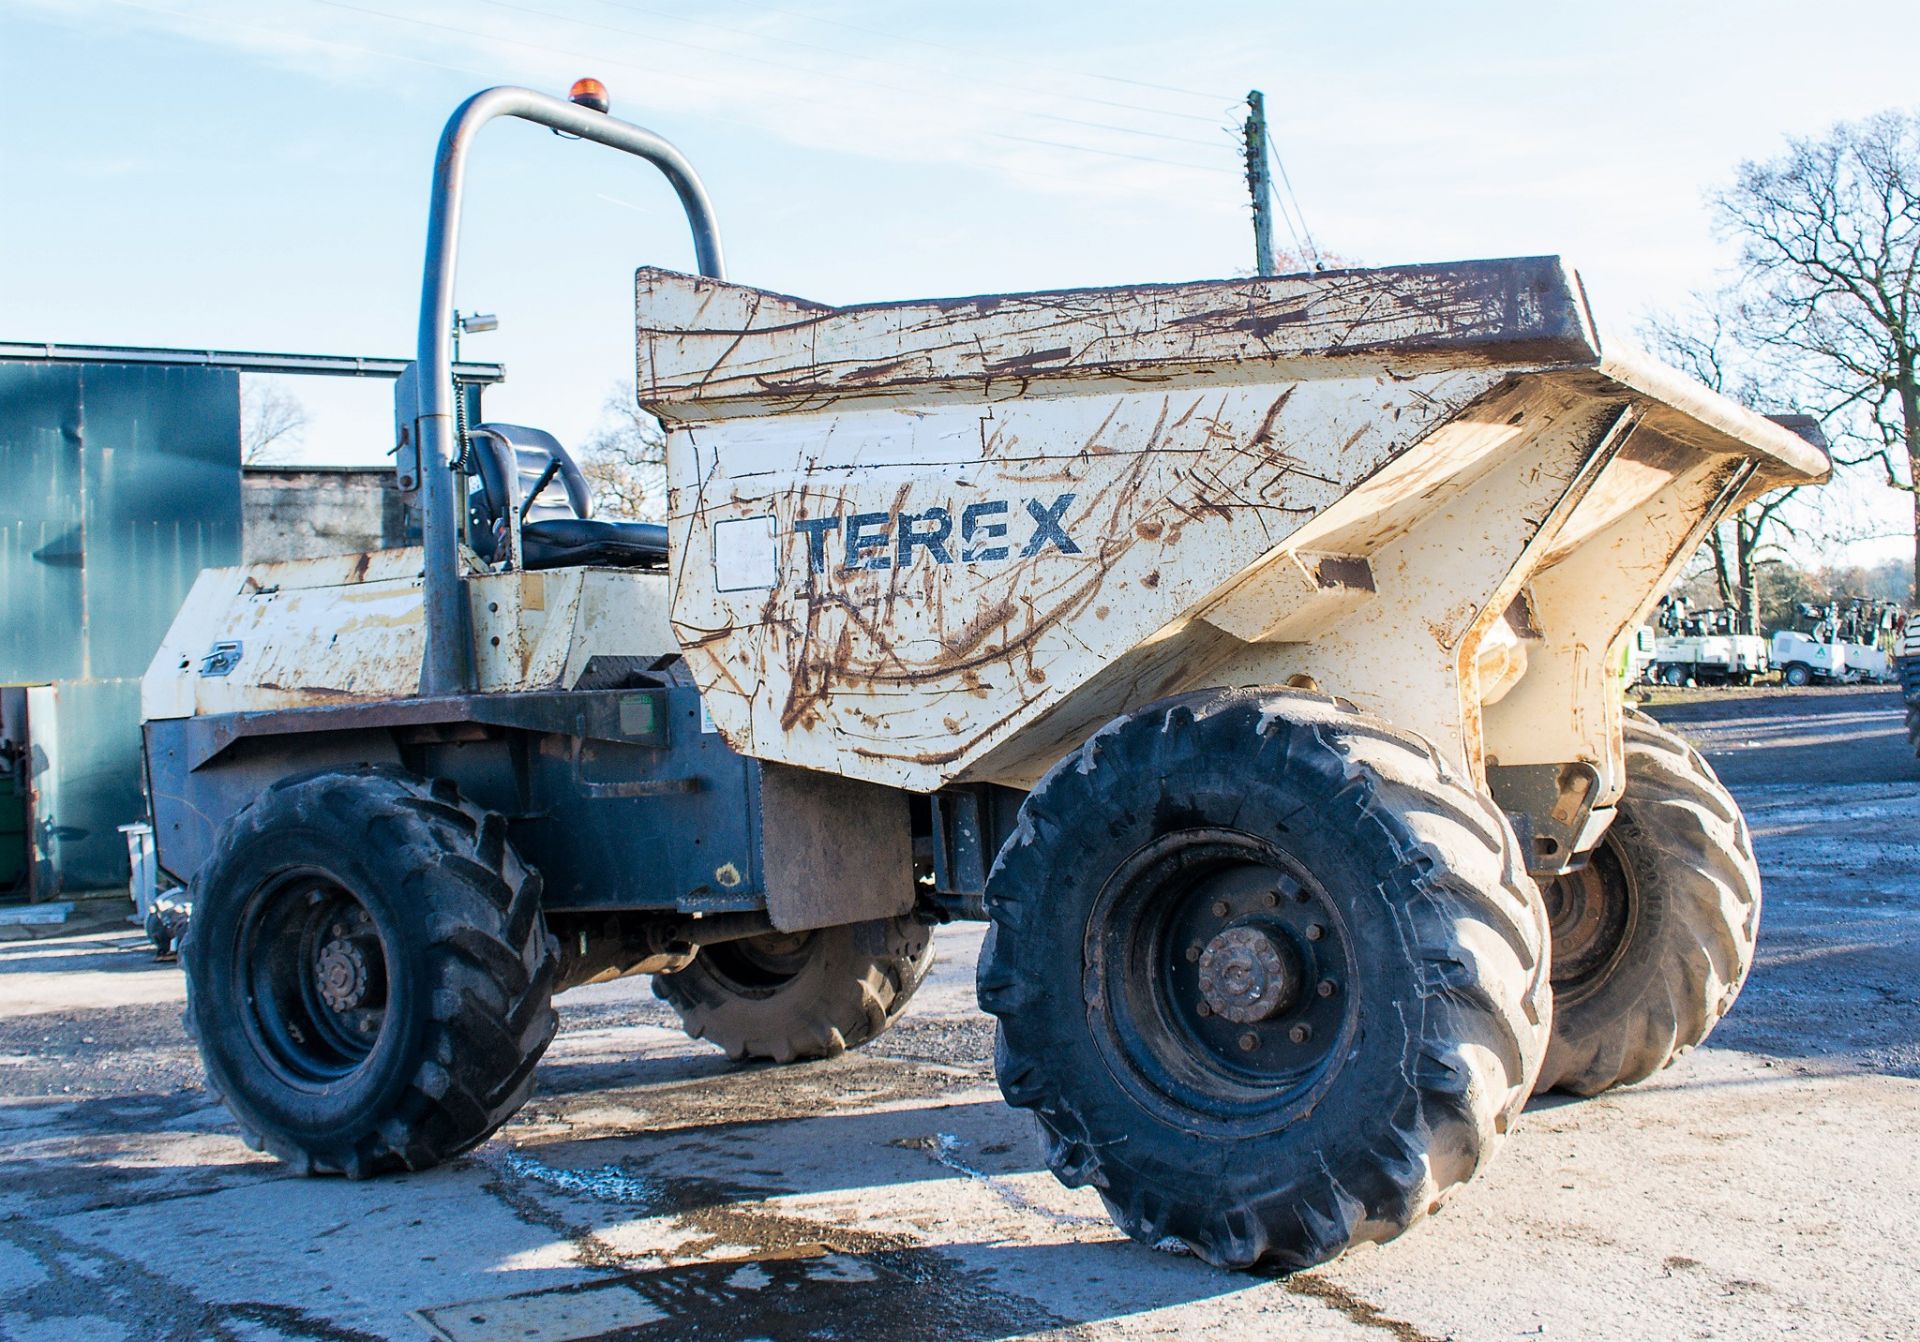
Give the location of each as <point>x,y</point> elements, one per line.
<point>1806,660</point>
<point>1701,648</point>
<point>1840,644</point>
<point>1709,659</point>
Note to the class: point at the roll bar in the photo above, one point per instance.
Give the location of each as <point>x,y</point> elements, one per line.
<point>446,665</point>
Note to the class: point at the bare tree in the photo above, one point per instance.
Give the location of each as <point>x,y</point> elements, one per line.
<point>1708,342</point>
<point>625,460</point>
<point>1829,236</point>
<point>269,415</point>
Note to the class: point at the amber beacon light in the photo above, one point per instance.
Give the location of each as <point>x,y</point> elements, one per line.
<point>589,93</point>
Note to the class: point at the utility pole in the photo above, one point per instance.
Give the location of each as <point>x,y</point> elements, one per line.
<point>1259,182</point>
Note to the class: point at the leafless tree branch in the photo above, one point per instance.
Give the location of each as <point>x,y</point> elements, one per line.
<point>270,415</point>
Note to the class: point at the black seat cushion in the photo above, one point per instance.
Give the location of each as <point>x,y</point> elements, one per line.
<point>565,542</point>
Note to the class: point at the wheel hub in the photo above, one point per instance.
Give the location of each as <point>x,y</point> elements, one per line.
<point>1591,915</point>
<point>343,971</point>
<point>1245,976</point>
<point>1224,973</point>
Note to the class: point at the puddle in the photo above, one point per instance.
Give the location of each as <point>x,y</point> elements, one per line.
<point>944,1148</point>
<point>846,1297</point>
<point>608,1183</point>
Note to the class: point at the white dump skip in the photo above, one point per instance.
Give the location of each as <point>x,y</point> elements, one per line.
<point>923,542</point>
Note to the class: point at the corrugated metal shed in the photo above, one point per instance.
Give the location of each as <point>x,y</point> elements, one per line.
<point>122,480</point>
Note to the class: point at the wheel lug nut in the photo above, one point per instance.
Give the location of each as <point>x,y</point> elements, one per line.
<point>1271,899</point>
<point>1315,931</point>
<point>1327,988</point>
<point>1220,909</point>
<point>1193,954</point>
<point>1301,1033</point>
<point>1201,1008</point>
<point>1249,1042</point>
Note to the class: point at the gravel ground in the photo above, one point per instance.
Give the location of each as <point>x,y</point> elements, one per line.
<point>1764,1186</point>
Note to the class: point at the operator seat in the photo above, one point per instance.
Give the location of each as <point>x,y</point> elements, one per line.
<point>526,468</point>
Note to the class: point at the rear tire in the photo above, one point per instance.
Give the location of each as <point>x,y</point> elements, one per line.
<point>1363,918</point>
<point>791,997</point>
<point>1652,941</point>
<point>368,975</point>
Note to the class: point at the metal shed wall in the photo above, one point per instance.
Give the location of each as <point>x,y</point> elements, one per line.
<point>118,483</point>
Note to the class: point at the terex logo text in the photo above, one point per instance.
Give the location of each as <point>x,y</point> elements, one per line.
<point>979,534</point>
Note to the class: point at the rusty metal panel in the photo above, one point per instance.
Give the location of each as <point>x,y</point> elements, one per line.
<point>895,593</point>
<point>918,543</point>
<point>834,850</point>
<point>694,359</point>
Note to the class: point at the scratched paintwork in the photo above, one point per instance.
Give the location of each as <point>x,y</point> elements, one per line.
<point>707,348</point>
<point>348,628</point>
<point>1431,438</point>
<point>925,542</point>
<point>914,669</point>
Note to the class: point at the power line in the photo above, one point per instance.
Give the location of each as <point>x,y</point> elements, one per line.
<point>844,78</point>
<point>1011,60</point>
<point>1105,153</point>
<point>1313,249</point>
<point>651,71</point>
<point>974,77</point>
<point>487,73</point>
<point>384,54</point>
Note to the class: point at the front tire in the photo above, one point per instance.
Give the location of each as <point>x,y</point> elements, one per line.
<point>1269,974</point>
<point>1653,939</point>
<point>1797,674</point>
<point>368,975</point>
<point>796,996</point>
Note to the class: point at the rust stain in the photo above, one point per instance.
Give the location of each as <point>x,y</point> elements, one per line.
<point>1022,362</point>
<point>975,632</point>
<point>1263,435</point>
<point>320,693</point>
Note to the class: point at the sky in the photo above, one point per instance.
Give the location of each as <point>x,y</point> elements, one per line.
<point>253,174</point>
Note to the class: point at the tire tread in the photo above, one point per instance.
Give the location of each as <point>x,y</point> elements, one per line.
<point>487,985</point>
<point>1675,807</point>
<point>848,996</point>
<point>1484,932</point>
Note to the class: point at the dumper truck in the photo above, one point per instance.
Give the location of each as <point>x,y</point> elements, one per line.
<point>1246,652</point>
